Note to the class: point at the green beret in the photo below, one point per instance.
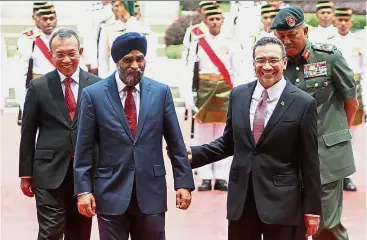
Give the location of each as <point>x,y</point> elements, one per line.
<point>288,19</point>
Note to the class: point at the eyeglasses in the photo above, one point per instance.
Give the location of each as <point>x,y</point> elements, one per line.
<point>130,59</point>
<point>263,61</point>
<point>63,55</point>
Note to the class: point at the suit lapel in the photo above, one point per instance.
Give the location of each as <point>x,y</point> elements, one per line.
<point>83,82</point>
<point>246,98</point>
<point>145,100</point>
<point>54,84</point>
<point>283,104</point>
<point>114,98</point>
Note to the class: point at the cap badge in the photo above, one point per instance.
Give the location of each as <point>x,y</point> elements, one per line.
<point>291,21</point>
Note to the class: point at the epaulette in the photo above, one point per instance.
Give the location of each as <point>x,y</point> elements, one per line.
<point>324,47</point>
<point>29,32</point>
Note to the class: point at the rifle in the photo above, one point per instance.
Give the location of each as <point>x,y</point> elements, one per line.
<point>187,58</point>
<point>27,82</point>
<point>195,88</point>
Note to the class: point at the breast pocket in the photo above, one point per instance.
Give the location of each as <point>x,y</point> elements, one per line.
<point>319,88</point>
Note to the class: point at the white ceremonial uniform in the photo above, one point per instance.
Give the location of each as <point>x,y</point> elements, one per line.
<point>228,51</point>
<point>89,26</point>
<point>321,34</point>
<point>22,56</point>
<point>352,47</point>
<point>247,24</point>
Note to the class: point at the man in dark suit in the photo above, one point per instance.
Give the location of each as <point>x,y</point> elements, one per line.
<point>45,166</point>
<point>126,115</point>
<point>274,182</point>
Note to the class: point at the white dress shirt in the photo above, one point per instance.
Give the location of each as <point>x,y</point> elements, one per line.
<point>74,84</point>
<point>274,94</point>
<point>123,94</point>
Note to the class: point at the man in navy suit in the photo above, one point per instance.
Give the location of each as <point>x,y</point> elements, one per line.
<point>126,115</point>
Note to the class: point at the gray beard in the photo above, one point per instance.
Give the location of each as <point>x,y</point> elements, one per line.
<point>131,77</point>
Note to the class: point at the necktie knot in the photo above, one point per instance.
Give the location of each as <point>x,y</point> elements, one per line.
<point>68,81</point>
<point>128,89</point>
<point>264,95</point>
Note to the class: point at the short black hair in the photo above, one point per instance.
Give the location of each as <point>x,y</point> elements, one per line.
<point>269,40</point>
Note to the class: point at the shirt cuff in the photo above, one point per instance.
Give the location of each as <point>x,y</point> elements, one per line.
<point>312,215</point>
<point>83,193</point>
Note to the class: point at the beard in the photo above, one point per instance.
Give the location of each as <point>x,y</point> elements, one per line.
<point>131,77</point>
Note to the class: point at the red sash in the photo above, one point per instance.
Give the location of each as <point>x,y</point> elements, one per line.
<point>213,57</point>
<point>42,46</point>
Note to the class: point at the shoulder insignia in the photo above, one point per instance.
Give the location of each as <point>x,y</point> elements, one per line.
<point>28,32</point>
<point>324,47</point>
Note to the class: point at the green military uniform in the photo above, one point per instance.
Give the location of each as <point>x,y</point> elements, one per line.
<point>321,71</point>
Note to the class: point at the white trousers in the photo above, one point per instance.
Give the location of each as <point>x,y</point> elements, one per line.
<point>205,133</point>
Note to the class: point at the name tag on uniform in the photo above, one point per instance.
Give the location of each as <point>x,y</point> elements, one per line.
<point>315,69</point>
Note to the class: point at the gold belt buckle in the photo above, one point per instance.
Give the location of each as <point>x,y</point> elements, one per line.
<point>356,76</point>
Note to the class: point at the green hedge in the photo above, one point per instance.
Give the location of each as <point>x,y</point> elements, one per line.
<point>174,51</point>
<point>359,21</point>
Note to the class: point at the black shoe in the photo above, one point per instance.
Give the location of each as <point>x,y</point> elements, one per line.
<point>206,185</point>
<point>348,185</point>
<point>221,185</point>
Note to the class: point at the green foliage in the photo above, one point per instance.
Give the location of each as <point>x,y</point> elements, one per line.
<point>359,21</point>
<point>225,6</point>
<point>174,51</point>
<point>176,31</point>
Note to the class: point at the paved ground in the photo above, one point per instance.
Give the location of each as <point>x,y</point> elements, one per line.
<point>205,220</point>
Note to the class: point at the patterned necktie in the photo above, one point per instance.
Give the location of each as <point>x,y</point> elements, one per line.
<point>130,109</point>
<point>260,115</point>
<point>69,98</point>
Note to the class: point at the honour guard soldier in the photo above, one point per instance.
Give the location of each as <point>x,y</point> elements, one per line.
<point>188,34</point>
<point>211,65</point>
<point>96,14</point>
<point>325,17</point>
<point>351,47</point>
<point>321,70</point>
<point>268,13</point>
<point>33,56</point>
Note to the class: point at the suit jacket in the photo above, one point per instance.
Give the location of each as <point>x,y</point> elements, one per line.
<point>45,111</point>
<point>284,162</point>
<point>123,158</point>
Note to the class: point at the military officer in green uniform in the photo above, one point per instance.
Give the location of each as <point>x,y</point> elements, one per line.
<point>321,71</point>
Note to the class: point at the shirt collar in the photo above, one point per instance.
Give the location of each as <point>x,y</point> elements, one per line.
<point>121,85</point>
<point>274,91</point>
<point>75,75</point>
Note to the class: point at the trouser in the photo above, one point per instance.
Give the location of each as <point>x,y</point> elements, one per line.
<point>331,227</point>
<point>133,223</point>
<point>205,133</point>
<point>250,226</point>
<point>57,213</point>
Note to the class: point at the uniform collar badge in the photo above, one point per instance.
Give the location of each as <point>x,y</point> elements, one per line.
<point>306,54</point>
